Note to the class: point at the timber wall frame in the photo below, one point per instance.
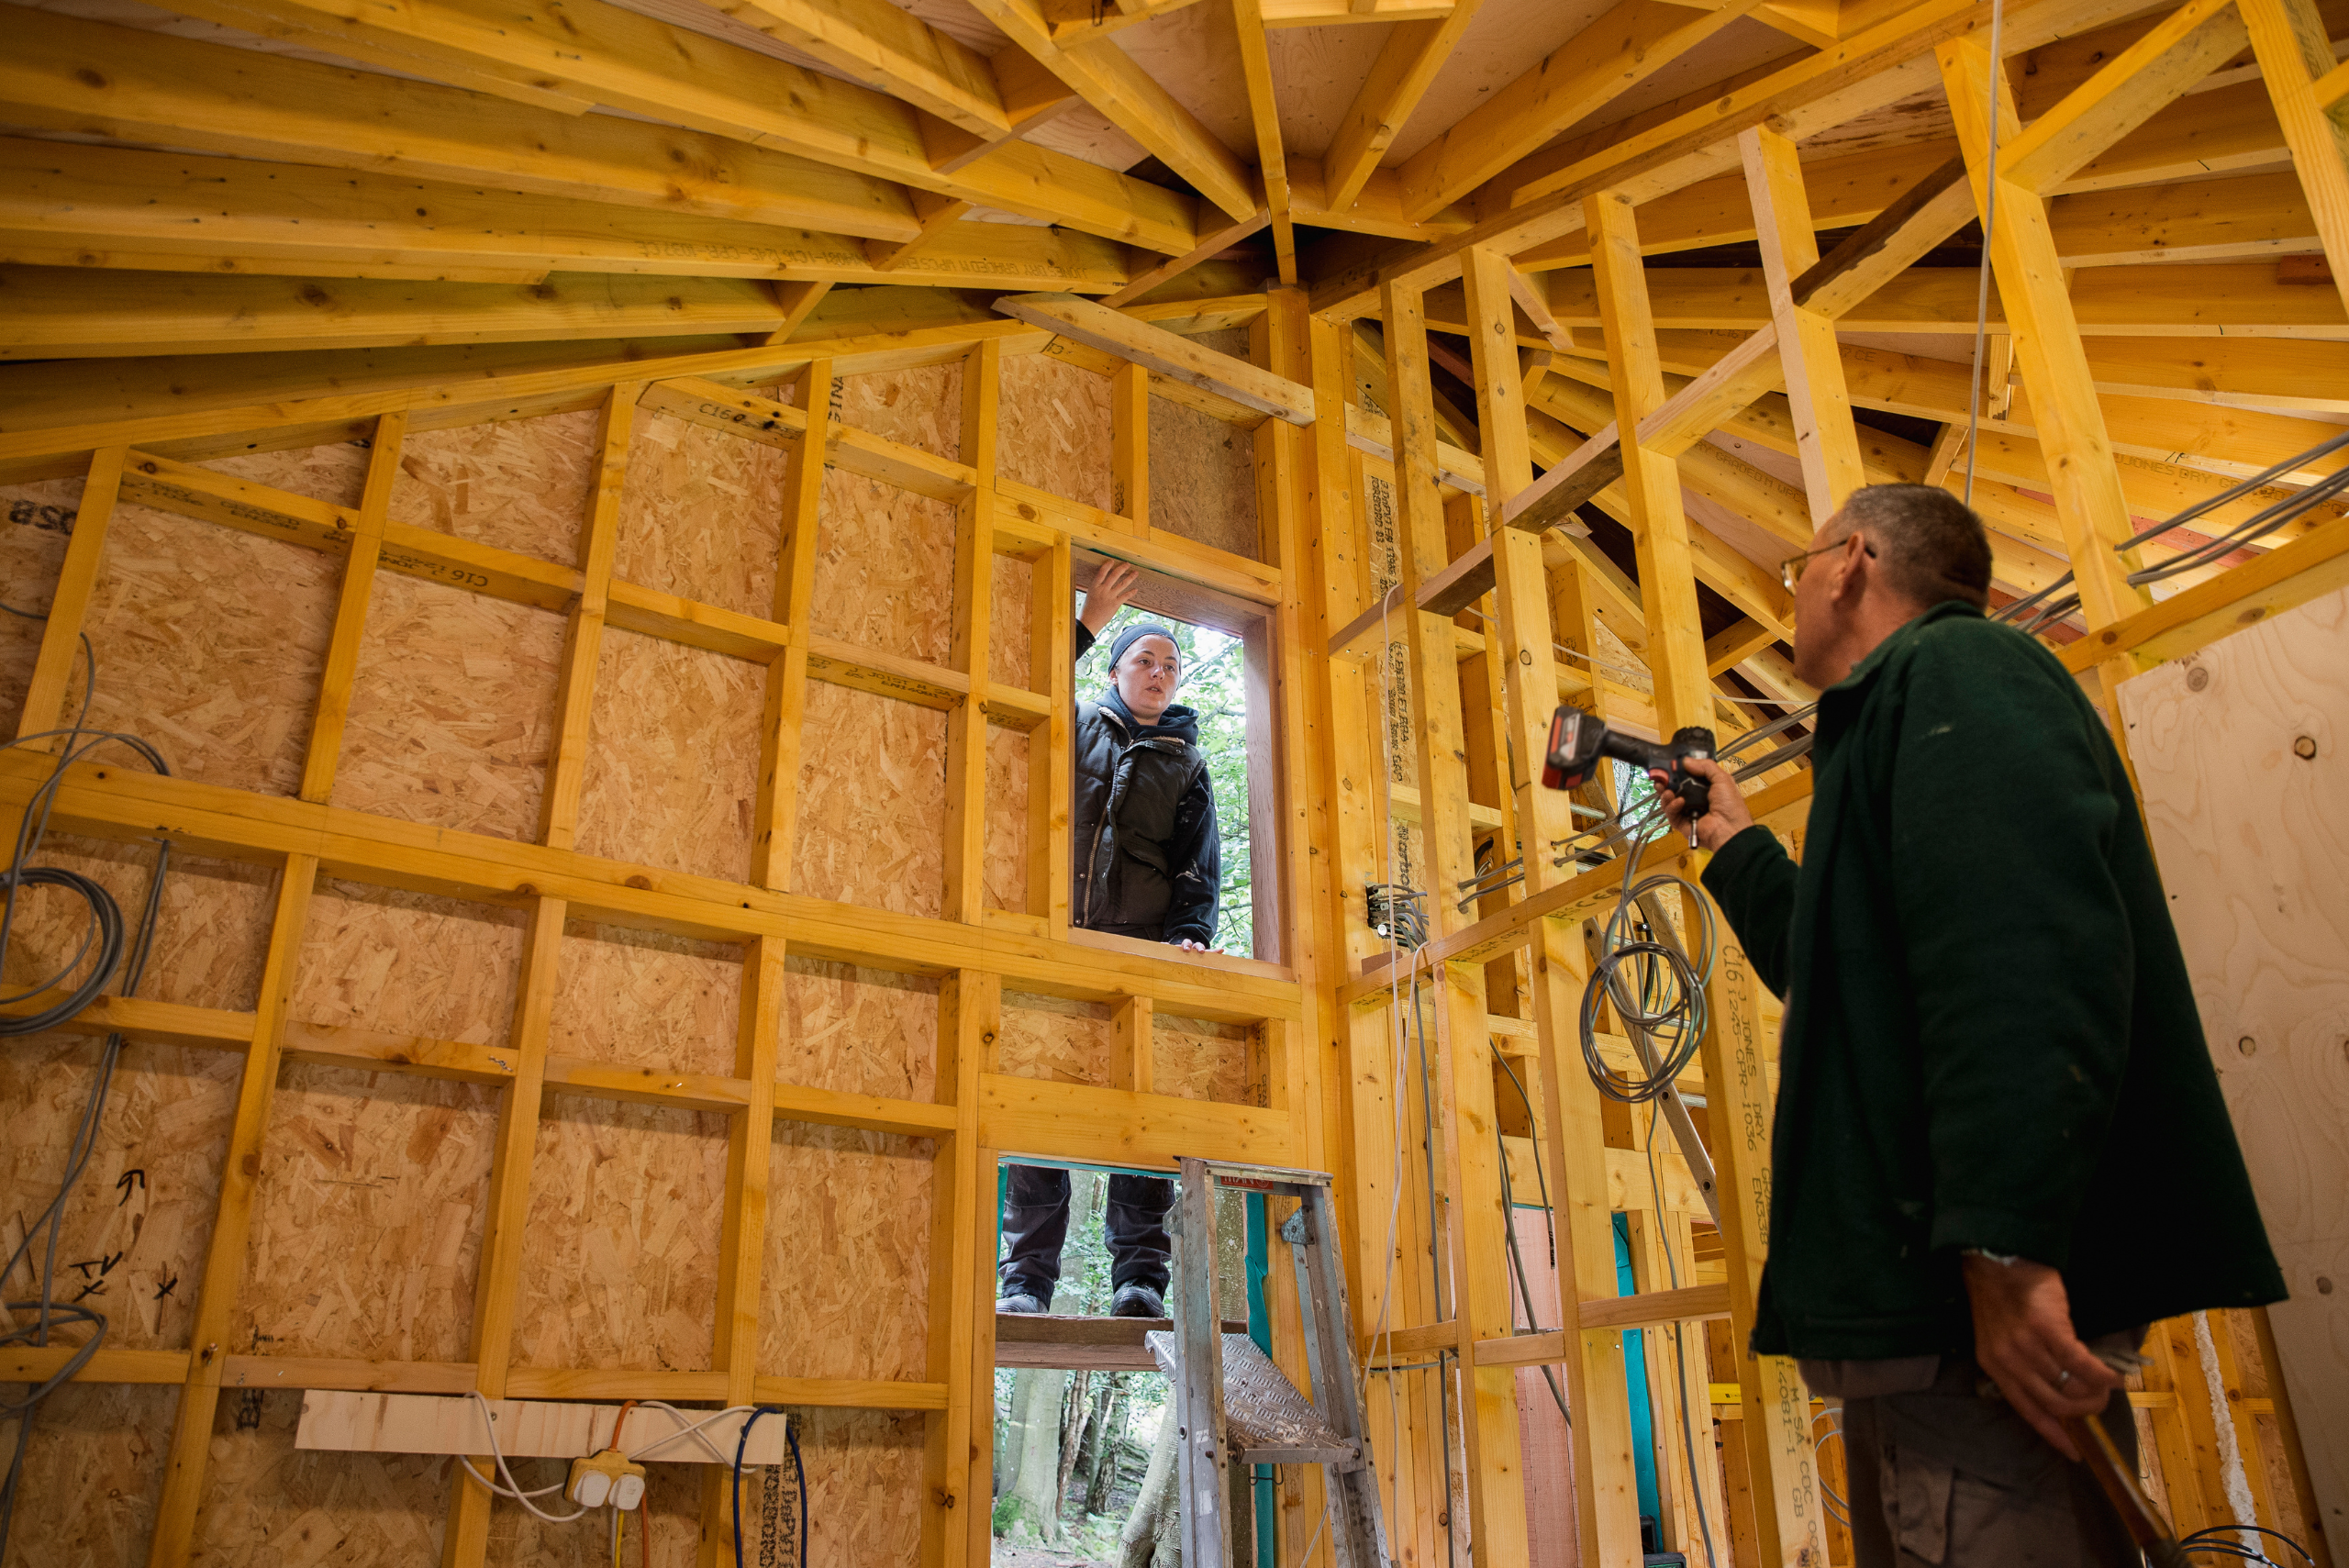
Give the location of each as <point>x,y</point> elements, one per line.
<point>979,1113</point>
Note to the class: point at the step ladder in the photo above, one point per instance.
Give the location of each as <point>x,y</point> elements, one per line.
<point>1232,1404</point>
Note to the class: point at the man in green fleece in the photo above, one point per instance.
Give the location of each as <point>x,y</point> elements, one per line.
<point>1999,1151</point>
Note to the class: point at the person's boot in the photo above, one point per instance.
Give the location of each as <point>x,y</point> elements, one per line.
<point>1137,1300</point>
<point>1017,1298</point>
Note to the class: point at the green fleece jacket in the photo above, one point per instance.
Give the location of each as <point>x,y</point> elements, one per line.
<point>1990,1039</point>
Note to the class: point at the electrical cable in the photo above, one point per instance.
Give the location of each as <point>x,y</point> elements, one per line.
<point>512,1489</point>
<point>1838,1507</point>
<point>1982,268</point>
<point>2196,1543</point>
<point>1516,1262</point>
<point>799,1473</point>
<point>1668,1004</point>
<point>1679,1353</point>
<point>734,1492</point>
<point>107,932</point>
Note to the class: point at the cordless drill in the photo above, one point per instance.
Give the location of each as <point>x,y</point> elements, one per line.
<point>1577,742</point>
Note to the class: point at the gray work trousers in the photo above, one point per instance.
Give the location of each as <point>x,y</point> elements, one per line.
<point>1944,1476</point>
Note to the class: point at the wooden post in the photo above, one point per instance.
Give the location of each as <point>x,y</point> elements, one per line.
<point>956,1466</point>
<point>350,611</point>
<point>174,1543</point>
<point>584,642</point>
<point>775,813</point>
<point>1606,1493</point>
<point>1052,646</point>
<point>2294,46</point>
<point>69,605</point>
<point>1826,439</point>
<point>966,723</point>
<point>1130,444</point>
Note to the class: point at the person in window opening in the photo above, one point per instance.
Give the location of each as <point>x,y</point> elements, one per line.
<point>2000,1149</point>
<point>1146,862</point>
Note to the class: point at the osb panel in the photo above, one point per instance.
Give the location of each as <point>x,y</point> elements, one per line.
<point>920,407</point>
<point>35,521</point>
<point>673,760</point>
<point>626,1203</point>
<point>872,802</point>
<point>210,644</point>
<point>409,964</point>
<point>270,1505</point>
<point>452,713</point>
<point>885,568</point>
<point>520,485</point>
<point>863,1467</point>
<point>672,1505</point>
<point>1202,478</point>
<point>1050,1037</point>
<point>336,473</point>
<point>1007,826</point>
<point>366,1235</point>
<point>136,1226</point>
<point>859,1031</point>
<point>92,1470</point>
<point>847,1278</point>
<point>1194,1059</point>
<point>1009,645</point>
<point>646,997</point>
<point>1052,428</point>
<point>211,934</point>
<point>701,514</point>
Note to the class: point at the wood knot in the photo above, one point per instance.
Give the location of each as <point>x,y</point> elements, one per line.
<point>639,880</point>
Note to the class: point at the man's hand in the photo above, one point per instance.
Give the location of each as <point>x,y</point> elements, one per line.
<point>1188,945</point>
<point>1113,585</point>
<point>1725,815</point>
<point>2023,1338</point>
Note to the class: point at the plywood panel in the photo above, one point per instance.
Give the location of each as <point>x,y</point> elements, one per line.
<point>885,568</point>
<point>452,711</point>
<point>210,644</point>
<point>860,1031</point>
<point>132,1245</point>
<point>335,473</point>
<point>1199,1060</point>
<point>847,1281</point>
<point>863,1465</point>
<point>520,485</point>
<point>408,964</point>
<point>673,759</point>
<point>1203,471</point>
<point>872,802</point>
<point>92,1473</point>
<point>2254,853</point>
<point>1050,1037</point>
<point>647,998</point>
<point>920,407</point>
<point>1055,429</point>
<point>701,514</point>
<point>366,1235</point>
<point>212,932</point>
<point>1010,650</point>
<point>1007,828</point>
<point>35,521</point>
<point>267,1502</point>
<point>622,1266</point>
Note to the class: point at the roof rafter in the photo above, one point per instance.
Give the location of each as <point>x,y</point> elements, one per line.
<point>1405,68</point>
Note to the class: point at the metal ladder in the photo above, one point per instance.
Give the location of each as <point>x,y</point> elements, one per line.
<point>1233,1406</point>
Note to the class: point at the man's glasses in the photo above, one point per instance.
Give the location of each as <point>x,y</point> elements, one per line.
<point>1790,569</point>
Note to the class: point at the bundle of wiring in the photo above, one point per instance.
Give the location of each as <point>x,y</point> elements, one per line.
<point>2211,1542</point>
<point>109,938</point>
<point>514,1490</point>
<point>1657,989</point>
<point>1679,1354</point>
<point>1509,1233</point>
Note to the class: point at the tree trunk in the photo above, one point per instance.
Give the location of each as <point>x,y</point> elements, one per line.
<point>1137,1543</point>
<point>1079,1421</point>
<point>1034,1492</point>
<point>1101,1452</point>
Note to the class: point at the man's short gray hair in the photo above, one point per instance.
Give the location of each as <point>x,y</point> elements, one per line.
<point>1932,545</point>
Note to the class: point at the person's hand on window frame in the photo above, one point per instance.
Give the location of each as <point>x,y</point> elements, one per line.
<point>1113,588</point>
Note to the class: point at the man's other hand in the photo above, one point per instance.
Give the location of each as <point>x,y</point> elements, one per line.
<point>1113,585</point>
<point>2023,1338</point>
<point>1725,815</point>
<point>1188,945</point>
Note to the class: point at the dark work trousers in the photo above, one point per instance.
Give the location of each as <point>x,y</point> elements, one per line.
<point>1035,1223</point>
<point>1944,1477</point>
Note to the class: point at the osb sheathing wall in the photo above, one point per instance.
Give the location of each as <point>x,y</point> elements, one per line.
<point>498,1126</point>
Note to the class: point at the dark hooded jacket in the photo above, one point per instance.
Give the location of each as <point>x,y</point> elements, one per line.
<point>1144,852</point>
<point>1990,1036</point>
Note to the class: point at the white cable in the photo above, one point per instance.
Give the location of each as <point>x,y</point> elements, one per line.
<point>1982,283</point>
<point>512,1489</point>
<point>692,1431</point>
